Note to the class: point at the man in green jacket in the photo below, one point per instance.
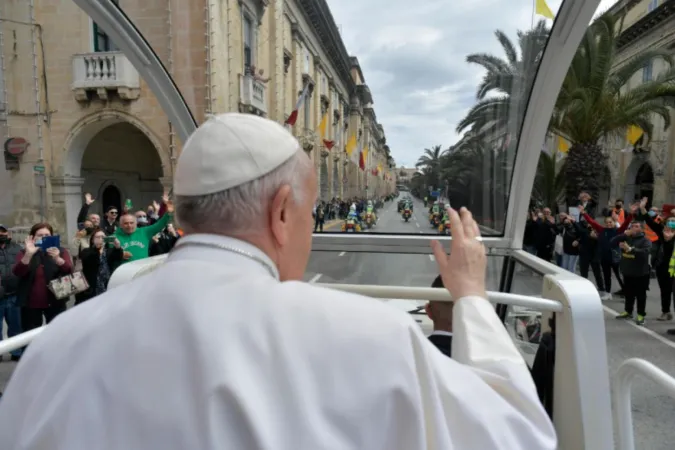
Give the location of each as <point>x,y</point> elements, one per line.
<point>136,241</point>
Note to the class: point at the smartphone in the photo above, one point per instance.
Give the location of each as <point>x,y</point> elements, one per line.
<point>109,241</point>
<point>50,241</point>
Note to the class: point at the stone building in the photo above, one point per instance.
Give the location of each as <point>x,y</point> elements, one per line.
<point>647,24</point>
<point>75,115</point>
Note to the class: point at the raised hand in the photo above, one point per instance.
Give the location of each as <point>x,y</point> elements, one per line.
<point>463,271</point>
<point>30,249</point>
<point>88,199</point>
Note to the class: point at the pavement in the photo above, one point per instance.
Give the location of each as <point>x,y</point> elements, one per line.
<point>653,410</point>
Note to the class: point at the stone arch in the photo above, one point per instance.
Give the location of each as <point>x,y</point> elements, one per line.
<point>84,130</point>
<point>639,179</point>
<point>67,182</point>
<point>629,177</point>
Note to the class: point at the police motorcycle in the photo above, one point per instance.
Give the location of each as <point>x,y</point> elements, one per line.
<point>444,226</point>
<point>407,212</point>
<point>369,217</point>
<point>352,223</point>
<point>435,215</point>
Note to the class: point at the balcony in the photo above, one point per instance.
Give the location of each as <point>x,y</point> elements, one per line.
<point>253,95</point>
<point>102,73</point>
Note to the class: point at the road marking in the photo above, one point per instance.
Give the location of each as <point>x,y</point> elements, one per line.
<point>418,225</point>
<point>315,278</point>
<point>342,254</point>
<point>647,331</point>
<point>431,257</point>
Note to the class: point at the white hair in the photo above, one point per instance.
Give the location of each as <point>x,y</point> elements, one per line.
<point>242,208</point>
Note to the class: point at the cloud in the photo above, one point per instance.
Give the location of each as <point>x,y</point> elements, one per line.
<point>413,56</point>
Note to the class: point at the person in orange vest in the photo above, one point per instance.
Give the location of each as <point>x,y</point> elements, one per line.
<point>655,214</point>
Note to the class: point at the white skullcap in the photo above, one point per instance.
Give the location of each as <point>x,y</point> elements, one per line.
<point>229,150</point>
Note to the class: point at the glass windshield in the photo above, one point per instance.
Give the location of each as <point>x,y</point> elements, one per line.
<point>410,114</point>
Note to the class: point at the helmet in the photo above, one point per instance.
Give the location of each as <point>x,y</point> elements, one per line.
<point>353,207</point>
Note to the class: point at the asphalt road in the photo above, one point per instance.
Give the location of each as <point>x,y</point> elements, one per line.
<point>653,411</point>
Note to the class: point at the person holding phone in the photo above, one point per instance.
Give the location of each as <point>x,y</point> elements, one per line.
<point>99,261</point>
<point>42,261</point>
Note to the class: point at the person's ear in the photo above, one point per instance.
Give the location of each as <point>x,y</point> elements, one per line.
<point>427,309</point>
<point>280,215</point>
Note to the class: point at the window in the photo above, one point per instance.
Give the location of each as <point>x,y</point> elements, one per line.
<point>652,5</point>
<point>102,42</point>
<point>647,72</point>
<point>248,42</point>
<point>308,112</point>
<point>307,60</point>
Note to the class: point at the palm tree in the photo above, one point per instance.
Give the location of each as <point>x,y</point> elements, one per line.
<point>594,103</point>
<point>510,80</point>
<point>475,174</point>
<point>549,182</point>
<point>430,163</point>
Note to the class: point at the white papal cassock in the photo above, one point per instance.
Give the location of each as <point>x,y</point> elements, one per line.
<point>210,351</point>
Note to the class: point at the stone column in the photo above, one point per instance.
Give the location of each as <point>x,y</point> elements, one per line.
<point>167,184</point>
<point>324,175</point>
<point>336,176</point>
<point>68,199</point>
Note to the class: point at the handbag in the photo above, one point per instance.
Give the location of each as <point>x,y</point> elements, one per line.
<point>68,285</point>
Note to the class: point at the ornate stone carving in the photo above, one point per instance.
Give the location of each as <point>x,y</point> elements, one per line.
<point>307,80</point>
<point>288,57</point>
<point>308,140</point>
<point>324,153</point>
<point>336,116</point>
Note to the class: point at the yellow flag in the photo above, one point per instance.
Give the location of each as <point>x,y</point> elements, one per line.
<point>351,145</point>
<point>542,9</point>
<point>563,145</point>
<point>323,126</point>
<point>634,134</point>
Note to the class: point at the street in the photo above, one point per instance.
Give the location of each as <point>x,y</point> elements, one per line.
<point>653,412</point>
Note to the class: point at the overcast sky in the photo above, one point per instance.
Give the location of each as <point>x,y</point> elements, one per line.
<point>413,57</point>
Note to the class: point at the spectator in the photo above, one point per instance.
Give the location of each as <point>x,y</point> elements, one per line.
<point>635,269</point>
<point>662,252</point>
<point>84,214</point>
<point>164,241</point>
<point>99,261</point>
<point>136,240</point>
<point>319,217</point>
<point>111,222</point>
<point>35,268</point>
<point>9,309</point>
<point>609,251</point>
<point>570,240</point>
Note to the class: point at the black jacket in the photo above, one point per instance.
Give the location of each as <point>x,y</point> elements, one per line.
<point>443,343</point>
<point>90,264</point>
<point>635,263</point>
<point>8,255</point>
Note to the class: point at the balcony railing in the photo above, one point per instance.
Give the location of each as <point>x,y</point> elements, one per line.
<point>103,72</point>
<point>253,94</point>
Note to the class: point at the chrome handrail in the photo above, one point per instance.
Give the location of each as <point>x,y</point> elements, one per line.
<point>628,371</point>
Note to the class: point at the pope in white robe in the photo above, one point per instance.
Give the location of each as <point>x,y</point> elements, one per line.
<point>221,347</point>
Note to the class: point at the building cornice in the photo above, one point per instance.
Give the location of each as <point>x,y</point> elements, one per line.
<point>648,23</point>
<point>322,22</point>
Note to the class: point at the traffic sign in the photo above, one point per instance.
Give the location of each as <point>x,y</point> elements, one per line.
<point>435,193</point>
<point>16,146</point>
<point>39,169</point>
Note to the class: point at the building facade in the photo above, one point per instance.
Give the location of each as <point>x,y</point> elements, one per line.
<point>76,117</point>
<point>646,25</point>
